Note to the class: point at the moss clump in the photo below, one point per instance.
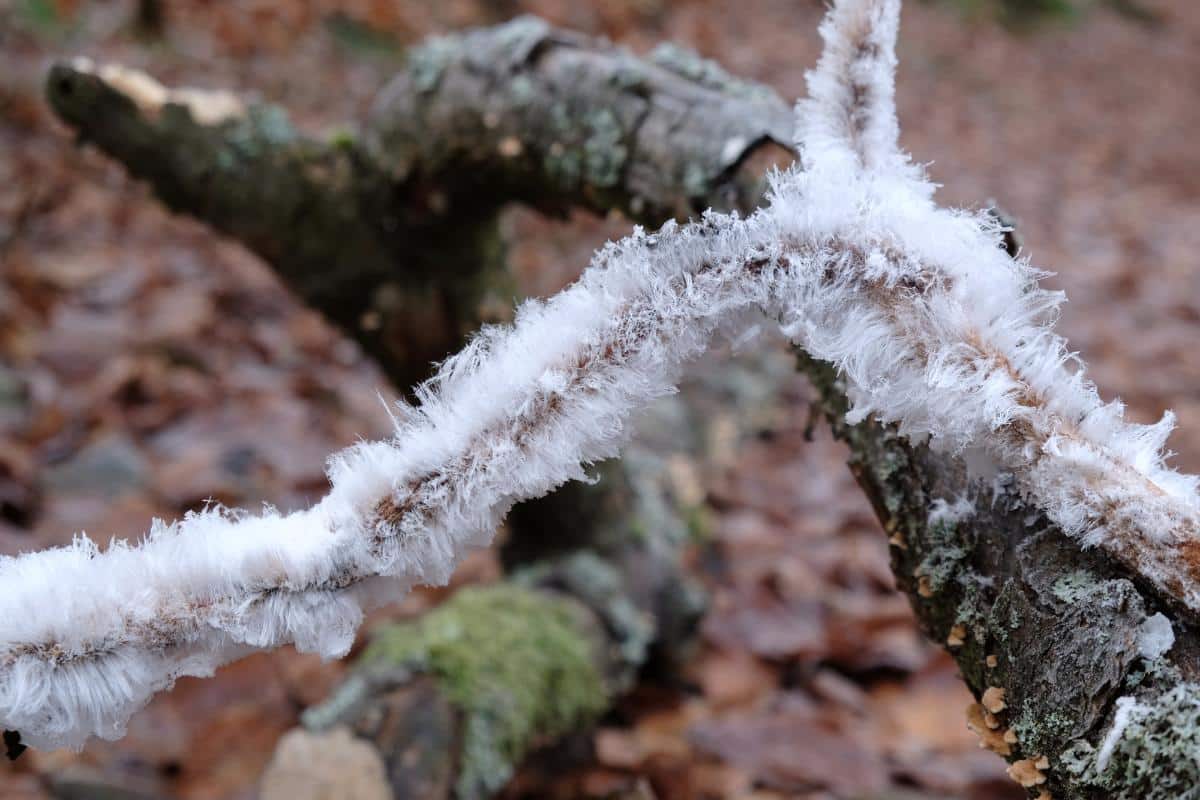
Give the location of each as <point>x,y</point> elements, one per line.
<point>520,665</point>
<point>1157,756</point>
<point>342,139</point>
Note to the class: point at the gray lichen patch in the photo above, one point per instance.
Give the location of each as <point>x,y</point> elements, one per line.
<point>522,91</point>
<point>604,151</point>
<point>1154,756</point>
<point>1039,730</point>
<point>890,464</point>
<point>1077,586</point>
<point>589,148</point>
<point>427,62</point>
<point>516,39</point>
<point>944,555</point>
<point>689,64</point>
<point>1070,639</point>
<point>256,136</point>
<point>972,610</point>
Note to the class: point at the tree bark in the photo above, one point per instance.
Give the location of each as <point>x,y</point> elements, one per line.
<point>391,229</point>
<point>554,119</point>
<point>1047,636</point>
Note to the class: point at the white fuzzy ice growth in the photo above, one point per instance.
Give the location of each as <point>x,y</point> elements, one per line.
<point>1126,708</point>
<point>1155,636</point>
<point>929,321</point>
<point>942,512</point>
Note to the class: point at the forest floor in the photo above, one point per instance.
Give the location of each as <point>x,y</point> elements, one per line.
<point>147,366</point>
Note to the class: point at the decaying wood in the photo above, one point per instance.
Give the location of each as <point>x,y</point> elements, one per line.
<point>390,227</point>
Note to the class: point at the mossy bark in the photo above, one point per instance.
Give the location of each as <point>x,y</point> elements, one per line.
<point>558,120</point>
<point>1050,629</point>
<point>379,258</point>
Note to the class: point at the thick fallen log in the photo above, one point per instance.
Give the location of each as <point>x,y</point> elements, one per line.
<point>390,227</point>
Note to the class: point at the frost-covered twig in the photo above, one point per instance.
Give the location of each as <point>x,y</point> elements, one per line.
<point>932,325</point>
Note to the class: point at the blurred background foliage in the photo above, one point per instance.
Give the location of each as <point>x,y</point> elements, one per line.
<point>1027,15</point>
<point>54,18</point>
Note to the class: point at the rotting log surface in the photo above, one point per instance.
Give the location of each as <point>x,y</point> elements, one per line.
<point>1046,635</point>
<point>392,230</point>
<point>554,119</point>
<point>1024,610</point>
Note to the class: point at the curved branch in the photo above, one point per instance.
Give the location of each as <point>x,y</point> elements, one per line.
<point>850,112</point>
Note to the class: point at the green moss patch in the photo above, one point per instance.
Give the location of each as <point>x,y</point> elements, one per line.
<point>520,665</point>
